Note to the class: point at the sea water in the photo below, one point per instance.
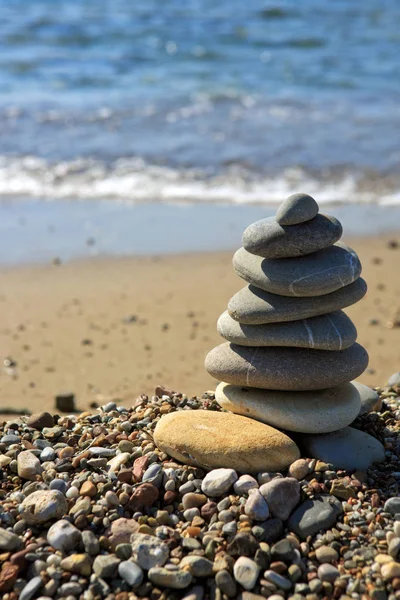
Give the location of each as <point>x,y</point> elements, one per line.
<point>226,102</point>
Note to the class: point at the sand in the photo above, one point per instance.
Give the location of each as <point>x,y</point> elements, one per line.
<point>113,328</point>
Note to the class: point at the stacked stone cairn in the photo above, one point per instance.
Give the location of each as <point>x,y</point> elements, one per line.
<point>291,352</point>
<point>287,367</point>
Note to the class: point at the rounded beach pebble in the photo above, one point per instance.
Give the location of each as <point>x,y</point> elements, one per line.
<point>298,208</point>
<point>269,239</point>
<point>369,397</point>
<point>252,306</point>
<point>333,331</point>
<point>347,448</point>
<point>314,515</point>
<point>211,440</point>
<point>307,412</point>
<point>315,274</point>
<point>292,369</point>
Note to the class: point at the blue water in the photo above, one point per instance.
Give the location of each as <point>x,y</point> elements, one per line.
<point>199,100</point>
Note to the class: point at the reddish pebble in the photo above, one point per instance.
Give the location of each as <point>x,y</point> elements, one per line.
<point>170,497</point>
<point>8,576</point>
<point>278,566</point>
<point>208,510</point>
<point>143,497</point>
<point>139,467</point>
<point>18,558</point>
<point>125,475</point>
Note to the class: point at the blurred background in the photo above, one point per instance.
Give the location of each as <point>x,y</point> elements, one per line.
<point>155,128</point>
<point>115,103</point>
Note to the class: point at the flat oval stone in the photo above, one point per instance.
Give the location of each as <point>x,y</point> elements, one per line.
<point>316,274</point>
<point>298,208</point>
<point>291,369</point>
<point>306,412</point>
<point>315,515</point>
<point>213,440</point>
<point>348,448</point>
<point>269,239</point>
<point>253,306</point>
<point>333,331</point>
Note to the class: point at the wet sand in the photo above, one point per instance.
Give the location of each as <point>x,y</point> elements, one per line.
<point>113,328</point>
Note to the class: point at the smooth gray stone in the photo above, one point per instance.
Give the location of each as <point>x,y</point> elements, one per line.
<point>313,516</point>
<point>269,239</point>
<point>348,448</point>
<point>368,397</point>
<point>318,411</point>
<point>333,331</point>
<point>31,588</point>
<point>394,380</point>
<point>253,306</point>
<point>392,505</point>
<point>296,369</point>
<point>316,274</point>
<point>298,208</point>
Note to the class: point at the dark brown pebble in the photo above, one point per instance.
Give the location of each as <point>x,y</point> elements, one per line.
<point>125,475</point>
<point>170,497</point>
<point>40,420</point>
<point>208,510</point>
<point>143,497</point>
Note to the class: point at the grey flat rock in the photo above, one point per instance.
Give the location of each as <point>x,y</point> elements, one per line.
<point>269,239</point>
<point>315,274</point>
<point>306,412</point>
<point>313,516</point>
<point>291,369</point>
<point>348,448</point>
<point>368,397</point>
<point>253,306</point>
<point>298,208</point>
<point>333,331</point>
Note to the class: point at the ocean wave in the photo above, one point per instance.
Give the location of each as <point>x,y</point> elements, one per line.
<point>134,181</point>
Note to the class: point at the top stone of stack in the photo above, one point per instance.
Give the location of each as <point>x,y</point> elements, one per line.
<point>297,230</point>
<point>296,209</point>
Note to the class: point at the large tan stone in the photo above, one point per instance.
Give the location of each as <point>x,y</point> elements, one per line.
<point>306,412</point>
<point>291,369</point>
<point>211,440</point>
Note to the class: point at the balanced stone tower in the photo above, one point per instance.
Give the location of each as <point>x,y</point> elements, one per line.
<point>291,352</point>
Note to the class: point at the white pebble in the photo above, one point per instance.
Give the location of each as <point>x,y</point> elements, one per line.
<point>72,492</point>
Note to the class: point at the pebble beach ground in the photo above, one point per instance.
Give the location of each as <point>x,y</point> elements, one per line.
<point>91,509</point>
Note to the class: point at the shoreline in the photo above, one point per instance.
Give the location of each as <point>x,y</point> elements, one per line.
<point>113,328</point>
<point>36,231</point>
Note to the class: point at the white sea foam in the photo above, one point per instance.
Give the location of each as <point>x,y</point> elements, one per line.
<point>134,181</point>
